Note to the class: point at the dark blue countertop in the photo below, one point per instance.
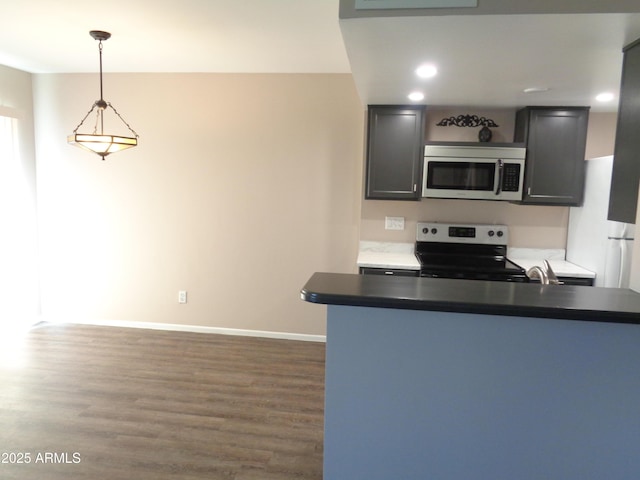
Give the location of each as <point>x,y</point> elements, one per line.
<point>565,302</point>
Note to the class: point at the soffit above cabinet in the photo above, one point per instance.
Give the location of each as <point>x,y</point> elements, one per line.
<point>488,56</point>
<point>398,8</point>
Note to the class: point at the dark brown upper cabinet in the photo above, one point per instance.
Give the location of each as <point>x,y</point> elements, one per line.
<point>395,152</point>
<point>623,197</point>
<point>556,139</point>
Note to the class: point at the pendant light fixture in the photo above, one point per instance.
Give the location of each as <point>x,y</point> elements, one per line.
<point>99,142</point>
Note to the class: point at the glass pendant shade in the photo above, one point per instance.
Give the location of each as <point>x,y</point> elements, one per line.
<point>99,142</point>
<point>103,145</point>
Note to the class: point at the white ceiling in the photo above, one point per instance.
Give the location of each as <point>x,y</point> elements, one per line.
<point>484,60</point>
<point>268,36</point>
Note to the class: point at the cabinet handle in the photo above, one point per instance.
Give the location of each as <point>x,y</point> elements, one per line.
<point>388,273</point>
<point>500,164</point>
<point>415,187</point>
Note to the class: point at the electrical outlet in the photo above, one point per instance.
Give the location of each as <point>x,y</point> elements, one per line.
<point>394,223</point>
<point>182,296</point>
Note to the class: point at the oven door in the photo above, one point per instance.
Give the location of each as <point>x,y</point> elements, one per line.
<point>473,178</point>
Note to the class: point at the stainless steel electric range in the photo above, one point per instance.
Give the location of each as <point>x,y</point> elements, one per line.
<point>476,252</point>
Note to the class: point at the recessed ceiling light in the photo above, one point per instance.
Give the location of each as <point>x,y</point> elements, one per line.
<point>426,71</point>
<point>605,97</point>
<point>416,96</point>
<point>536,89</point>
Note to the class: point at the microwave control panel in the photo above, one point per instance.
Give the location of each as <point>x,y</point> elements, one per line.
<point>511,177</point>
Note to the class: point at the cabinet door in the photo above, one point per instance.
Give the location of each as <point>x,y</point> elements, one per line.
<point>556,139</point>
<point>395,152</point>
<point>623,197</point>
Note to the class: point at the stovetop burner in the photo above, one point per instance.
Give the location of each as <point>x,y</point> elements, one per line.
<point>476,252</point>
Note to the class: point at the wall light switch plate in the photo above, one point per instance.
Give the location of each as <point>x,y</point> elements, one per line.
<point>394,223</point>
<point>182,296</point>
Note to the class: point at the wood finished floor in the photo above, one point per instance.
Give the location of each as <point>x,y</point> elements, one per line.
<point>145,404</point>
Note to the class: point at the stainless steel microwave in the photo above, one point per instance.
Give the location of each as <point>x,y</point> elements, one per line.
<point>473,172</point>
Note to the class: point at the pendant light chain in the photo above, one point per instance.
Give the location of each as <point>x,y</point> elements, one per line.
<point>75,130</point>
<point>101,103</point>
<point>100,121</point>
<point>123,120</point>
<point>100,50</point>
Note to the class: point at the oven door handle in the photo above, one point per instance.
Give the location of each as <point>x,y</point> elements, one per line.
<point>500,164</point>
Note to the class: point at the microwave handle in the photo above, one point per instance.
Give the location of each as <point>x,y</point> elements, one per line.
<point>500,164</point>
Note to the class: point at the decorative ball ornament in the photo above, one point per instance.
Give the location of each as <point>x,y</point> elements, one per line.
<point>484,135</point>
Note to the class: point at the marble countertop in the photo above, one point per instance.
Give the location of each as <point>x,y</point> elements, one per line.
<point>401,255</point>
<point>388,255</point>
<point>531,257</point>
<point>561,268</point>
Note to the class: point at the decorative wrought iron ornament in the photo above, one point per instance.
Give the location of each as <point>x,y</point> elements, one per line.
<point>467,121</point>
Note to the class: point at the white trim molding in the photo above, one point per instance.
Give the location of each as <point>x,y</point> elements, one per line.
<point>193,328</point>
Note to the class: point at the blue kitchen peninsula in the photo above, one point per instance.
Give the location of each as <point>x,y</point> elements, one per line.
<point>451,379</point>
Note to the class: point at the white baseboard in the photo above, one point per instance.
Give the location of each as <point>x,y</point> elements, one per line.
<point>196,329</point>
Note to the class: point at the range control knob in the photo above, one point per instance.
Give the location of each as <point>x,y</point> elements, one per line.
<point>500,233</point>
<point>491,233</point>
<point>425,231</point>
<point>434,230</point>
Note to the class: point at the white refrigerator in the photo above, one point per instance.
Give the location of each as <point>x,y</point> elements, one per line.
<point>593,242</point>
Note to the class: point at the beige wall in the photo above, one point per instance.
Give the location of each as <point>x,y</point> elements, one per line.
<point>530,226</point>
<point>18,241</point>
<point>601,135</point>
<point>242,187</point>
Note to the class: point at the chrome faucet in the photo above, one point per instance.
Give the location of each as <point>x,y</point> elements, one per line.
<point>551,275</point>
<point>537,272</point>
<point>545,273</point>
